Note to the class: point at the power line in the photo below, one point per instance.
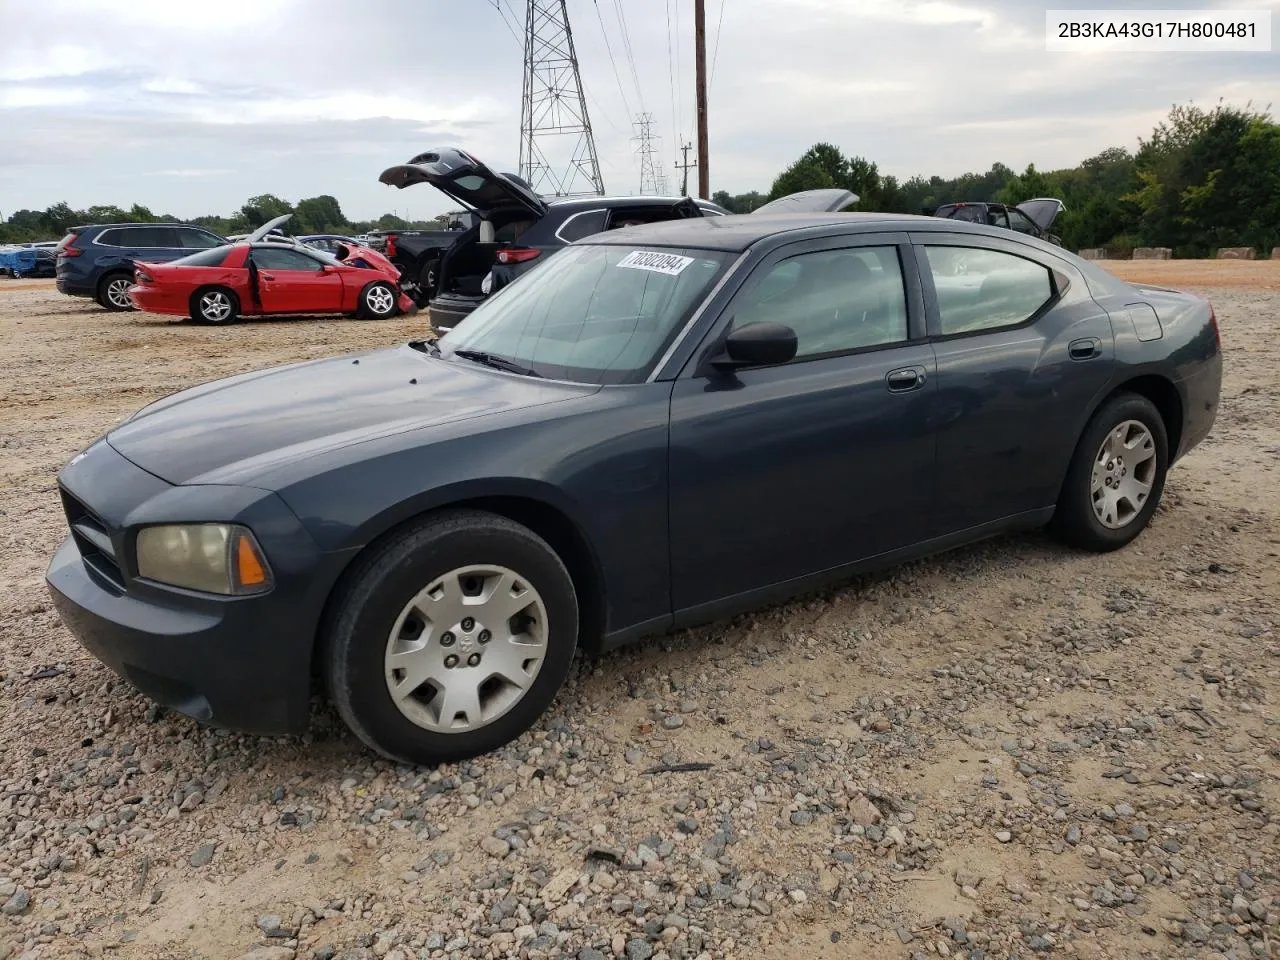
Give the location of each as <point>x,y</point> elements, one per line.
<point>612,61</point>
<point>716,50</point>
<point>502,13</point>
<point>631,57</point>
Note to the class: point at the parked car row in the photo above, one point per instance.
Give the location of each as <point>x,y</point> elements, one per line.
<point>30,260</point>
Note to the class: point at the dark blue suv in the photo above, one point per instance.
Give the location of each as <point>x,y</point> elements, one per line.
<point>97,261</point>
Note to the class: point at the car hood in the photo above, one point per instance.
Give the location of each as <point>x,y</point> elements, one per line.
<point>258,420</point>
<point>462,177</point>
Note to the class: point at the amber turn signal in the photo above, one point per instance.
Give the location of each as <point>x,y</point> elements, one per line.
<point>251,570</point>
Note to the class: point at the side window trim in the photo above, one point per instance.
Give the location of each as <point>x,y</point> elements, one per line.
<point>1059,280</point>
<point>698,364</point>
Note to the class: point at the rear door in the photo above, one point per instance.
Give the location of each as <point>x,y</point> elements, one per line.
<point>783,472</point>
<point>1022,349</point>
<point>289,281</point>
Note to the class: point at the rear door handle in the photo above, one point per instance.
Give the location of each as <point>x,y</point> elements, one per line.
<point>905,379</point>
<point>1085,349</point>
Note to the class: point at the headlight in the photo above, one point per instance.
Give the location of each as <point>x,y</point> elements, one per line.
<point>213,557</point>
<point>486,285</point>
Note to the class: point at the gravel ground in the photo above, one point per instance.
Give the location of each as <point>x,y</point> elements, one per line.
<point>1012,750</point>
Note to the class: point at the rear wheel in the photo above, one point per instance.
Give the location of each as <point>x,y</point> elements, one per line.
<point>1115,479</point>
<point>451,638</point>
<point>113,291</point>
<point>215,305</point>
<point>377,301</point>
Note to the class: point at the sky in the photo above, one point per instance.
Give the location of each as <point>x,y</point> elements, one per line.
<point>191,109</point>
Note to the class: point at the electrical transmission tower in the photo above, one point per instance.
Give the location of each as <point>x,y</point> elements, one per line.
<point>557,150</point>
<point>651,181</point>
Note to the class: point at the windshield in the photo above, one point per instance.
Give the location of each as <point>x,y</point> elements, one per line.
<point>592,314</point>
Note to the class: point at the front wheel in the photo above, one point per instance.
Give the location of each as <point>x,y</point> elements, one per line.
<point>451,638</point>
<point>377,301</point>
<point>1116,476</point>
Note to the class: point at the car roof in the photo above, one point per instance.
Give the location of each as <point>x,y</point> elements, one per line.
<point>737,232</point>
<point>164,223</point>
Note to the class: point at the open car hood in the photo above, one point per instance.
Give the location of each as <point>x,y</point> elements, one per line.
<point>1042,211</point>
<point>464,178</point>
<point>810,201</point>
<point>267,227</point>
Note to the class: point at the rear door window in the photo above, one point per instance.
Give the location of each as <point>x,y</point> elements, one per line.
<point>980,290</point>
<point>149,237</point>
<point>1022,223</point>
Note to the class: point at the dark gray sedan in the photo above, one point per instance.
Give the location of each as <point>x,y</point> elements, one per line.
<point>664,426</point>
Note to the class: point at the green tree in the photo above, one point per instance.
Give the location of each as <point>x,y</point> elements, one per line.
<point>258,210</point>
<point>801,175</point>
<point>320,214</point>
<point>389,221</point>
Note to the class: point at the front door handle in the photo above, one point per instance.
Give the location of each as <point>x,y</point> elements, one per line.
<point>905,379</point>
<point>266,276</point>
<point>1085,349</point>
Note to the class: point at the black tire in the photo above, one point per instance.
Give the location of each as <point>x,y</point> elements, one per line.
<point>428,273</point>
<point>371,597</point>
<point>1075,521</point>
<point>373,301</point>
<point>110,286</point>
<point>217,305</point>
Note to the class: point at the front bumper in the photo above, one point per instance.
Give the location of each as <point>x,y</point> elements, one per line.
<point>220,668</point>
<point>237,662</point>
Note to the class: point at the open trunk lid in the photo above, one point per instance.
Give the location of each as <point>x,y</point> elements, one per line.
<point>464,178</point>
<point>1042,211</point>
<point>810,201</point>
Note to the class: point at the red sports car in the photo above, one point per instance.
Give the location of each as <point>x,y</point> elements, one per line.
<point>257,276</point>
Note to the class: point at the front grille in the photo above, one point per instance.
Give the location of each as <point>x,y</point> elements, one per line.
<point>93,540</point>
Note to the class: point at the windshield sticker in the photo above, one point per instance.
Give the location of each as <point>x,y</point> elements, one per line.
<point>669,263</point>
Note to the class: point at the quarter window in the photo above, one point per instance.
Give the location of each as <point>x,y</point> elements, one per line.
<point>581,225</point>
<point>281,258</point>
<point>1022,223</point>
<point>985,289</point>
<point>835,300</point>
<point>198,240</point>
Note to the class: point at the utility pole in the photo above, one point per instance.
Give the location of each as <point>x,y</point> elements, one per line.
<point>553,108</point>
<point>700,65</point>
<point>686,166</point>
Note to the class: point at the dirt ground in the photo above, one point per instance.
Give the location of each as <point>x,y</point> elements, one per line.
<point>1008,750</point>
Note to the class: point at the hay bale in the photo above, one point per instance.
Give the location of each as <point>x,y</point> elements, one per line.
<point>1275,253</point>
<point>1235,253</point>
<point>1152,253</point>
<point>1097,253</point>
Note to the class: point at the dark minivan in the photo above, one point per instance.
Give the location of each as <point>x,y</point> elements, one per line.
<point>97,261</point>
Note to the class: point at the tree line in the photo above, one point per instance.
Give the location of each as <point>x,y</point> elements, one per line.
<point>1203,179</point>
<point>322,214</point>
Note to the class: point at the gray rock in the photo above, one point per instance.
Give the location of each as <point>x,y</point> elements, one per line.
<point>1073,834</point>
<point>203,854</point>
<point>801,818</point>
<point>434,941</point>
<point>270,953</point>
<point>1195,932</point>
<point>495,847</point>
<point>671,722</point>
<point>270,925</point>
<point>638,949</point>
<point>17,903</point>
<point>590,953</point>
<point>1004,836</point>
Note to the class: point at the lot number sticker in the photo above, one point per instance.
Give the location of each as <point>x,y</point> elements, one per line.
<point>669,263</point>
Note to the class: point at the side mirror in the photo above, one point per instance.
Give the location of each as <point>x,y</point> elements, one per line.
<point>327,268</point>
<point>758,344</point>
